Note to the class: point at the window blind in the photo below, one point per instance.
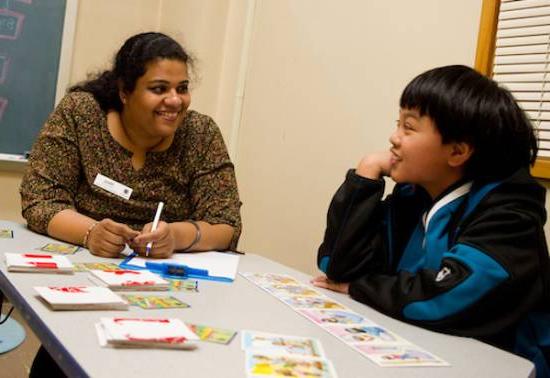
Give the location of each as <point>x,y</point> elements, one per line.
<point>521,61</point>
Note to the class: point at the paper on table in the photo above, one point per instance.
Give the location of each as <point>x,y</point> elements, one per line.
<point>218,264</point>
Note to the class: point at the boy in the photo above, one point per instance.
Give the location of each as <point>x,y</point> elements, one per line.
<point>459,246</point>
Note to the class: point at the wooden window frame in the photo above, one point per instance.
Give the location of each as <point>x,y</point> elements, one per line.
<point>485,54</point>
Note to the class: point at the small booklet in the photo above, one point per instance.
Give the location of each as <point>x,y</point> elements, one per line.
<point>38,263</point>
<point>213,334</point>
<point>145,333</point>
<point>81,298</point>
<point>131,280</point>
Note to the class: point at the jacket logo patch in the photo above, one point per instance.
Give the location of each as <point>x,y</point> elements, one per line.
<point>442,274</point>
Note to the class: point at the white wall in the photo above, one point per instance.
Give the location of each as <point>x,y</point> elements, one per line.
<point>322,90</point>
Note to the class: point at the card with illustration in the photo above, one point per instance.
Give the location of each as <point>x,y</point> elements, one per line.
<point>269,343</point>
<point>265,365</point>
<point>63,249</point>
<point>263,279</point>
<point>84,267</point>
<point>326,317</point>
<point>365,333</point>
<point>6,234</point>
<point>399,355</point>
<point>183,285</point>
<point>212,334</point>
<point>298,301</point>
<point>149,302</point>
<point>285,290</point>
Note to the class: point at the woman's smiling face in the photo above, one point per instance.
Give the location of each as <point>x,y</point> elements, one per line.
<point>157,105</point>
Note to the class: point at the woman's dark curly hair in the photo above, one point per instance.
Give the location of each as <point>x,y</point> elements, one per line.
<point>129,65</point>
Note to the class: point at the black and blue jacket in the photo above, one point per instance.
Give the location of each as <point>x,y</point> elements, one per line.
<point>474,262</point>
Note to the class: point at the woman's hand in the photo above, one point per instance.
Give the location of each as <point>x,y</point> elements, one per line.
<point>325,283</point>
<point>108,238</point>
<point>375,165</point>
<point>163,238</point>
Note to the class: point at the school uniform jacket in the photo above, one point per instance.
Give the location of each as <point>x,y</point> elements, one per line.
<point>474,263</point>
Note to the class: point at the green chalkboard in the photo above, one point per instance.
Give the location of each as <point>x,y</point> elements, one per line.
<point>31,34</point>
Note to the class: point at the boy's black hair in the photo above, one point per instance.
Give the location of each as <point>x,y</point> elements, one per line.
<point>129,65</point>
<point>469,107</point>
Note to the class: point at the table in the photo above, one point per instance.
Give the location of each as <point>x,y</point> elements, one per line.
<point>71,338</point>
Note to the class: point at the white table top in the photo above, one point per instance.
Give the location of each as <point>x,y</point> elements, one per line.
<point>71,338</point>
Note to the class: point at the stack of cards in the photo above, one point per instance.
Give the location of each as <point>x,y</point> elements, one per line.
<point>131,280</point>
<point>271,355</point>
<point>38,263</point>
<point>370,339</point>
<point>144,333</point>
<point>81,298</point>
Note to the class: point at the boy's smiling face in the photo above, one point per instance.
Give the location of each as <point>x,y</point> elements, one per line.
<point>419,155</point>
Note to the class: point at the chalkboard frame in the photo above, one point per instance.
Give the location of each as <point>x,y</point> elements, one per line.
<point>13,162</point>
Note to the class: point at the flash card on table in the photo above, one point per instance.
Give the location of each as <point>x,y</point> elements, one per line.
<point>131,280</point>
<point>84,267</point>
<point>264,365</point>
<point>154,301</point>
<point>269,343</point>
<point>183,285</point>
<point>298,301</point>
<point>399,355</point>
<point>212,334</point>
<point>326,317</point>
<point>263,279</point>
<point>6,234</point>
<point>63,249</point>
<point>365,333</point>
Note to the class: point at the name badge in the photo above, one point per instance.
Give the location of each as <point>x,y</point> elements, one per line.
<point>112,186</point>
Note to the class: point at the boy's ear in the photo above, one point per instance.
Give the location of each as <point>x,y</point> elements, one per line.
<point>460,153</point>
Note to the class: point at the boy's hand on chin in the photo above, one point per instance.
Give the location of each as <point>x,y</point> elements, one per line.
<point>375,165</point>
<point>325,283</point>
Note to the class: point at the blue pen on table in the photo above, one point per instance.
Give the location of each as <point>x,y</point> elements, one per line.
<point>175,270</point>
<point>154,227</point>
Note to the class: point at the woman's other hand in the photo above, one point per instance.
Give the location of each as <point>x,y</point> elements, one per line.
<point>108,238</point>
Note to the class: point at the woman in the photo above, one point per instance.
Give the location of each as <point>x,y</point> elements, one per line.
<point>122,142</point>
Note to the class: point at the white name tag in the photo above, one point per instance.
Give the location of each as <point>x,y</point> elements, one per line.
<point>112,186</point>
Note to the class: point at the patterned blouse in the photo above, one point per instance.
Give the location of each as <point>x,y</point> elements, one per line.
<point>193,177</point>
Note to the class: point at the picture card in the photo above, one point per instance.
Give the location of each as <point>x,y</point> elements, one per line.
<point>285,290</point>
<point>212,334</point>
<point>365,333</point>
<point>263,279</point>
<point>266,365</point>
<point>326,317</point>
<point>191,286</point>
<point>268,343</point>
<point>81,298</point>
<point>6,234</point>
<point>154,301</point>
<point>87,266</point>
<point>63,249</point>
<point>399,355</point>
<point>298,301</point>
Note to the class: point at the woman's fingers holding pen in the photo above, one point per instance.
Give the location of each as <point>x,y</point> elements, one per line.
<point>163,241</point>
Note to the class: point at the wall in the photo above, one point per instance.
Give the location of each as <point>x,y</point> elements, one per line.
<point>322,90</point>
<point>301,90</point>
